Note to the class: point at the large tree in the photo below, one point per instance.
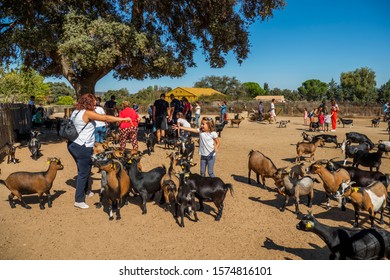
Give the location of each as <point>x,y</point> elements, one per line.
<point>227,85</point>
<point>313,90</point>
<point>384,93</point>
<point>359,85</point>
<point>253,89</point>
<point>84,40</point>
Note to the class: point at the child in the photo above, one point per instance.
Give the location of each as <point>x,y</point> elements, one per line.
<point>182,122</point>
<point>208,144</point>
<point>327,120</point>
<point>321,120</point>
<point>305,116</point>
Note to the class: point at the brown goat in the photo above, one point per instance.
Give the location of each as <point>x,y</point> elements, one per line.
<point>371,199</point>
<point>118,186</point>
<point>331,181</point>
<point>308,148</point>
<point>262,166</point>
<point>10,151</point>
<point>32,182</point>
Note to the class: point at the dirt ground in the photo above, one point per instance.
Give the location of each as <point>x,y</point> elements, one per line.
<point>252,227</point>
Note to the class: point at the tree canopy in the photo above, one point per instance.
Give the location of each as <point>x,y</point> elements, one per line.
<point>359,85</point>
<point>313,90</point>
<point>84,40</point>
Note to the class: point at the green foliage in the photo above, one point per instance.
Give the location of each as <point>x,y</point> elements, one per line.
<point>227,85</point>
<point>120,95</point>
<point>359,85</point>
<point>384,93</point>
<point>253,89</point>
<point>313,90</point>
<point>16,86</point>
<point>65,100</point>
<point>266,88</point>
<point>85,40</point>
<point>60,89</point>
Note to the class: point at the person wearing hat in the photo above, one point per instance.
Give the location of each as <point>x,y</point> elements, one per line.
<point>160,114</point>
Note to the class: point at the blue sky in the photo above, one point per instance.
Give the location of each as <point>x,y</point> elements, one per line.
<point>309,39</point>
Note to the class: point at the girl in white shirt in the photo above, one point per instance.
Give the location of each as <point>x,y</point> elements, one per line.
<point>208,144</point>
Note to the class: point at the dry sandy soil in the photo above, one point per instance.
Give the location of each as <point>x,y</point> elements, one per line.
<point>252,227</point>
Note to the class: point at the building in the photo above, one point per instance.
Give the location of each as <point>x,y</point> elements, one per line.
<point>268,98</point>
<point>193,94</point>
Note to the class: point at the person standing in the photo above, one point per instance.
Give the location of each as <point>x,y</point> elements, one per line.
<point>100,129</point>
<point>321,120</point>
<point>328,120</point>
<point>260,109</point>
<point>111,109</point>
<point>334,110</point>
<point>305,115</point>
<point>208,144</point>
<point>81,149</point>
<point>175,107</point>
<point>197,113</point>
<point>223,108</point>
<point>128,130</point>
<point>31,105</point>
<point>135,107</point>
<point>272,112</point>
<point>160,114</point>
<point>187,109</point>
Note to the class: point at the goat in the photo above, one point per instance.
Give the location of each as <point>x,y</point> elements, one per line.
<point>188,148</point>
<point>368,159</point>
<point>360,138</point>
<point>236,121</point>
<point>146,184</point>
<point>32,182</point>
<point>375,122</point>
<point>151,141</point>
<point>384,146</point>
<point>307,137</point>
<point>349,151</point>
<point>148,124</point>
<point>118,185</point>
<point>10,151</point>
<point>211,189</point>
<point>363,178</point>
<point>356,244</point>
<point>346,122</point>
<point>327,139</point>
<point>331,181</point>
<point>283,124</point>
<point>219,127</point>
<point>170,182</point>
<point>297,171</point>
<point>22,138</point>
<point>308,148</point>
<point>185,200</point>
<point>295,188</point>
<point>34,145</point>
<point>262,166</point>
<point>371,198</point>
<point>171,143</point>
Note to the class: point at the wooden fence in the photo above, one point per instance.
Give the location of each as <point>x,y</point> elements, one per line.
<point>13,116</point>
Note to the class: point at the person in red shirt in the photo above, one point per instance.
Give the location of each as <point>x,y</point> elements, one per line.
<point>128,130</point>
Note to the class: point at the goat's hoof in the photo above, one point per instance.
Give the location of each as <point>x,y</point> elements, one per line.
<point>118,218</point>
<point>181,225</point>
<point>49,205</point>
<point>282,209</point>
<point>13,206</point>
<point>42,207</point>
<point>111,218</point>
<point>98,206</point>
<point>217,219</point>
<point>355,225</point>
<point>28,207</point>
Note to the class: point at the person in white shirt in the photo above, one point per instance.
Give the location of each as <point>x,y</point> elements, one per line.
<point>182,122</point>
<point>208,144</point>
<point>81,149</point>
<point>197,114</point>
<point>272,111</point>
<point>100,129</point>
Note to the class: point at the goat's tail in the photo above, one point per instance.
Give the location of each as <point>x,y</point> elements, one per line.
<point>230,187</point>
<point>2,182</point>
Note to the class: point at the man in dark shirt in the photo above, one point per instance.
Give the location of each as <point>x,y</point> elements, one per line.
<point>175,108</point>
<point>110,106</point>
<point>160,114</point>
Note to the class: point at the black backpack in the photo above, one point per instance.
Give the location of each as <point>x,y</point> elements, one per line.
<point>68,130</point>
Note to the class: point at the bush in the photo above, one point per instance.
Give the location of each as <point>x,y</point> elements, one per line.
<point>65,100</point>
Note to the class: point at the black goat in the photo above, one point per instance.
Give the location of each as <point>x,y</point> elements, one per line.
<point>346,122</point>
<point>151,141</point>
<point>185,200</point>
<point>363,178</point>
<point>188,148</point>
<point>368,159</point>
<point>349,151</point>
<point>327,139</point>
<point>219,127</point>
<point>360,138</point>
<point>211,189</point>
<point>146,184</point>
<point>10,151</point>
<point>34,145</point>
<point>356,244</point>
